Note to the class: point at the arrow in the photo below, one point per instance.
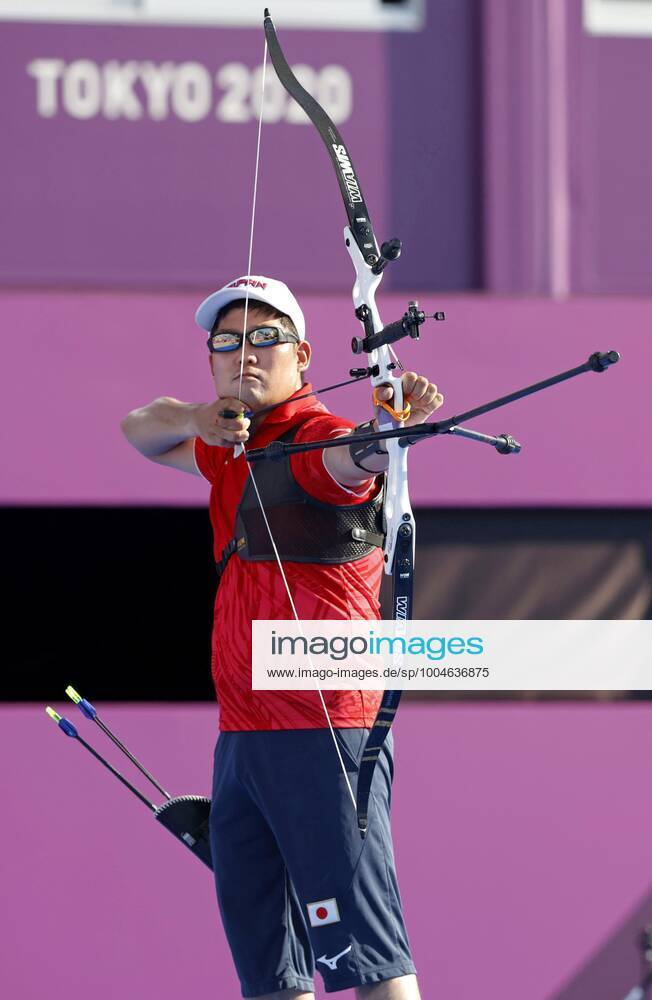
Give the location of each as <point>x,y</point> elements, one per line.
<point>67,727</point>
<point>91,713</point>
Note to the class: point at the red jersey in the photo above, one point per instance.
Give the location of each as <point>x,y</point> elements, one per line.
<point>255,590</point>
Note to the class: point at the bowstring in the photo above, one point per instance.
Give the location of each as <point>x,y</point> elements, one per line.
<point>253,218</point>
<point>244,451</point>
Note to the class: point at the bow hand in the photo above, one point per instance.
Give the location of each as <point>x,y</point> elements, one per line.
<point>422,397</point>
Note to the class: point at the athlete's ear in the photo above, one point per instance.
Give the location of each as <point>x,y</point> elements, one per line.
<point>210,361</point>
<point>304,353</point>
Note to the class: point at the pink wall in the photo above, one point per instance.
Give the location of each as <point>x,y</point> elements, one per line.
<point>74,364</point>
<point>522,838</point>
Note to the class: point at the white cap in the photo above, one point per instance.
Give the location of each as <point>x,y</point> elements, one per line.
<point>257,288</point>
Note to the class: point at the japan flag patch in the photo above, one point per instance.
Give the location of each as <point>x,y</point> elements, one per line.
<point>323,912</point>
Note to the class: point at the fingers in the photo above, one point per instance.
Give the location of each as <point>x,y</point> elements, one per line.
<point>227,406</point>
<point>421,394</point>
<point>219,438</point>
<point>224,431</point>
<point>234,430</point>
<point>418,388</point>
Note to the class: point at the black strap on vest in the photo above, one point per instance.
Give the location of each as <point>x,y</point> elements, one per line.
<point>305,529</point>
<point>227,552</point>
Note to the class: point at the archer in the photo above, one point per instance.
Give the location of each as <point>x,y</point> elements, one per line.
<point>296,885</point>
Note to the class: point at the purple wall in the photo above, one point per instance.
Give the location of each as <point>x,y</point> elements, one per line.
<point>156,191</point>
<point>514,161</point>
<point>129,153</point>
<point>567,156</point>
<point>522,846</point>
<point>74,365</point>
<point>611,161</point>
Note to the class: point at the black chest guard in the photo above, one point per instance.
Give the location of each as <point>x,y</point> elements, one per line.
<point>304,529</point>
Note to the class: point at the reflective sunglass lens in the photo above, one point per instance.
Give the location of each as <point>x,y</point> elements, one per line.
<point>264,336</point>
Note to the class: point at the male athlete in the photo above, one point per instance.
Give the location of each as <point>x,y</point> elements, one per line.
<point>297,887</point>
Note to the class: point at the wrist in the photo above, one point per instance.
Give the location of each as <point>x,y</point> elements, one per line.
<point>190,424</point>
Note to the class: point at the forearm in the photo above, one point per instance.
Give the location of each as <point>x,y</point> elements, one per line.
<point>341,466</point>
<point>160,426</point>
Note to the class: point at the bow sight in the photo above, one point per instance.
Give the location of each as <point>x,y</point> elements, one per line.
<point>408,326</point>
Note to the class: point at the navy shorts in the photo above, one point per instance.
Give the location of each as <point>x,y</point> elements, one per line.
<point>297,887</point>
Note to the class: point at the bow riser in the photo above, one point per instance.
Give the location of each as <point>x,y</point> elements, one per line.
<point>398,512</point>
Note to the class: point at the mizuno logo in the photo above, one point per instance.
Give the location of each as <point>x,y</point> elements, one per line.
<point>347,173</point>
<point>332,962</point>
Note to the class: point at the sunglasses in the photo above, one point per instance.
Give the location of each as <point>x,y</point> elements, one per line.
<point>260,336</point>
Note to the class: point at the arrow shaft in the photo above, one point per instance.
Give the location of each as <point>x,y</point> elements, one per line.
<point>120,745</point>
<point>116,773</point>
